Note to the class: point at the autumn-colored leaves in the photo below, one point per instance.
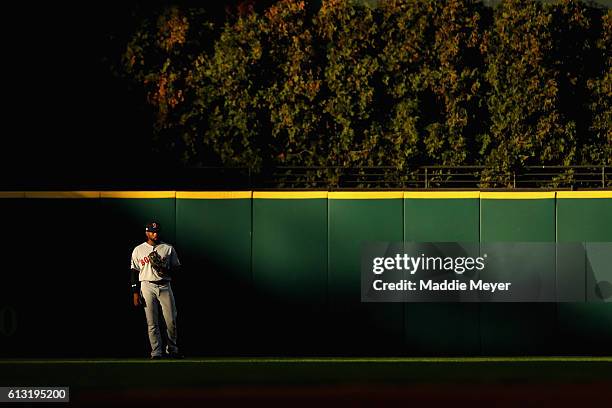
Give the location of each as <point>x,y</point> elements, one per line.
<point>403,84</point>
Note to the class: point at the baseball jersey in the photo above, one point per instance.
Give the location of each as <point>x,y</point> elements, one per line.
<point>140,260</point>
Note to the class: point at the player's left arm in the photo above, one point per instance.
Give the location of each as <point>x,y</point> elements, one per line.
<point>174,265</point>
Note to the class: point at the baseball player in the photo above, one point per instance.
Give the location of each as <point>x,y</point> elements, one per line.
<point>153,263</point>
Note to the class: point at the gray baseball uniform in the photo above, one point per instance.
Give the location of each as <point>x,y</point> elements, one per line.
<point>156,291</point>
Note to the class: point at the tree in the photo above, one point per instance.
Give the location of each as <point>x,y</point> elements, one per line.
<point>598,148</point>
<point>236,74</point>
<point>406,35</point>
<point>293,97</point>
<point>399,85</point>
<point>159,57</point>
<point>454,83</point>
<point>351,110</point>
<point>527,123</point>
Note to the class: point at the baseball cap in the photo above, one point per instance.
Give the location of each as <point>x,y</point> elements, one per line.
<point>153,226</point>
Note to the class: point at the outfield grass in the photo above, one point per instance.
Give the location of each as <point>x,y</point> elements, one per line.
<point>266,360</point>
<point>212,372</point>
<point>307,382</point>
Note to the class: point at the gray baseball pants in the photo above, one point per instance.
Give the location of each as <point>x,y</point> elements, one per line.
<point>155,295</point>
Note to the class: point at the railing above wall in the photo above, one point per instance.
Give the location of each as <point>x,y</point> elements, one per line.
<point>324,178</point>
<point>435,177</point>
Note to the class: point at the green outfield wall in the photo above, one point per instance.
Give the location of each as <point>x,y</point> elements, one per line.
<point>517,328</point>
<point>442,217</point>
<point>213,231</point>
<point>14,218</point>
<point>289,263</point>
<point>353,219</point>
<point>586,217</point>
<point>279,272</point>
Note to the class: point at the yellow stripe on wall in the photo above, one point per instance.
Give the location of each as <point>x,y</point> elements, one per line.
<point>213,195</point>
<point>585,194</point>
<point>365,195</point>
<point>517,195</point>
<point>62,194</point>
<point>12,194</point>
<point>290,195</point>
<point>441,194</point>
<point>138,194</point>
<point>335,195</point>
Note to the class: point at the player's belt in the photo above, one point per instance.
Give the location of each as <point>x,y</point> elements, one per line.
<point>160,282</point>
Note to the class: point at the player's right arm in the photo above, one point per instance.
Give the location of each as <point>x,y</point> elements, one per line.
<point>135,286</point>
<point>134,281</point>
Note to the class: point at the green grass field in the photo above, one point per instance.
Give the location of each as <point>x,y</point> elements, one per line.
<point>318,381</point>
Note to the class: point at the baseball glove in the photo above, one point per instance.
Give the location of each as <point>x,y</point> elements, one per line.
<point>158,264</point>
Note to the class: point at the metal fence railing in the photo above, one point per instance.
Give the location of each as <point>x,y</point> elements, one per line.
<point>330,178</point>
<point>435,177</point>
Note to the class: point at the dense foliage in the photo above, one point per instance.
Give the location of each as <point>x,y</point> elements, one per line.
<point>407,83</point>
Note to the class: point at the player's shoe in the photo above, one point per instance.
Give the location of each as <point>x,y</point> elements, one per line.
<point>155,358</point>
<point>176,356</point>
